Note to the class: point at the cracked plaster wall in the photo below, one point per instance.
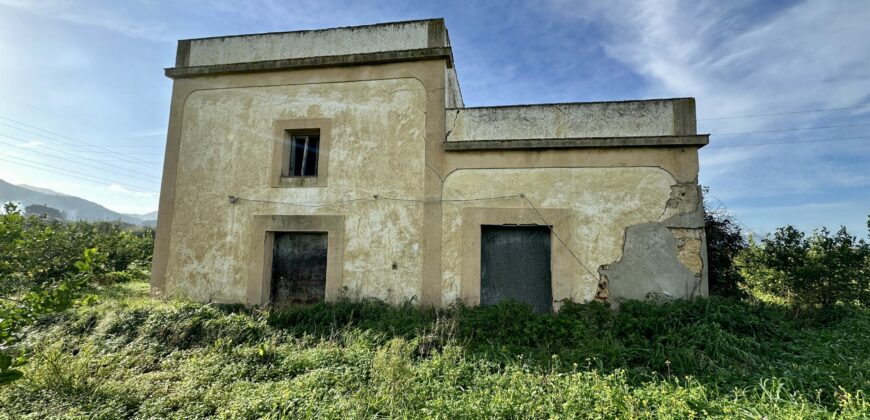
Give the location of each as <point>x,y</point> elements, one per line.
<point>606,119</point>
<point>616,218</point>
<point>662,260</point>
<point>226,149</point>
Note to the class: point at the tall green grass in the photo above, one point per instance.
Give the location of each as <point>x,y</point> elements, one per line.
<point>129,356</point>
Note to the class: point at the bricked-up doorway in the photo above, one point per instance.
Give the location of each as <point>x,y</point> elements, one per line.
<point>298,268</point>
<point>515,265</point>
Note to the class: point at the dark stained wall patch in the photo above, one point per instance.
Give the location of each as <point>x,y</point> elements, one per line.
<point>298,268</point>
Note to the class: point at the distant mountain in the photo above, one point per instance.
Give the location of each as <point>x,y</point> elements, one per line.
<point>146,216</point>
<point>43,190</point>
<point>147,219</point>
<point>74,208</point>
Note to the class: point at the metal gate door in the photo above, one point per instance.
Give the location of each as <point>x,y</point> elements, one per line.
<point>515,264</point>
<point>298,268</point>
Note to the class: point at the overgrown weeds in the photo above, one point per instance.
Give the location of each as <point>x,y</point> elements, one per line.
<point>129,356</point>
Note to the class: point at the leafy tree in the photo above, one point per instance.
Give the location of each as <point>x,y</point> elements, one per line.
<point>50,213</point>
<point>16,314</point>
<point>817,271</point>
<point>45,264</point>
<point>724,241</point>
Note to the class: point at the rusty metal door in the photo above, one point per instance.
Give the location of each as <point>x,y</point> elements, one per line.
<point>298,268</point>
<point>515,265</point>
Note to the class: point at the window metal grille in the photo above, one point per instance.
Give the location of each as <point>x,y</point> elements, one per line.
<point>304,150</point>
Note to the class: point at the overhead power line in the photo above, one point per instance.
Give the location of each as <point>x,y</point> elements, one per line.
<point>130,173</point>
<point>76,146</point>
<point>790,129</point>
<point>792,142</point>
<point>74,174</point>
<point>772,114</point>
<point>136,188</point>
<point>376,197</point>
<point>69,140</point>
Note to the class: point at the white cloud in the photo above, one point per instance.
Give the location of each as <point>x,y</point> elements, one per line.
<point>120,189</point>
<point>742,58</point>
<point>95,14</point>
<point>154,132</point>
<point>805,57</point>
<point>30,145</point>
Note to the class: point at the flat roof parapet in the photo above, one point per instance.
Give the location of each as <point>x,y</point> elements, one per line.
<point>593,120</point>
<point>385,42</point>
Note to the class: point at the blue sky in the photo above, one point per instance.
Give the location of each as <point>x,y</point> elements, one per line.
<point>89,73</point>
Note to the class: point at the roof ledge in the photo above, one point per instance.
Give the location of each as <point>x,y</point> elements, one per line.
<point>315,62</point>
<point>698,140</point>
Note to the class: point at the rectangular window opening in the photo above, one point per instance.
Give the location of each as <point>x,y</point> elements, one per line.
<point>304,152</point>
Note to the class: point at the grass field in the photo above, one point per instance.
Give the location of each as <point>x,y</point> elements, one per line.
<point>131,356</point>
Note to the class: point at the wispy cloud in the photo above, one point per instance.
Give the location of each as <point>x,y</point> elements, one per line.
<point>120,189</point>
<point>747,58</point>
<point>30,145</point>
<point>736,59</point>
<point>97,14</point>
<point>154,132</point>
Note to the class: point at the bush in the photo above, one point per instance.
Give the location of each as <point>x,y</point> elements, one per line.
<point>130,356</point>
<point>724,241</point>
<point>36,252</point>
<point>45,263</point>
<point>818,271</point>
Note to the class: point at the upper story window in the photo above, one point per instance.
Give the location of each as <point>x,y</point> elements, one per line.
<point>304,151</point>
<point>300,157</point>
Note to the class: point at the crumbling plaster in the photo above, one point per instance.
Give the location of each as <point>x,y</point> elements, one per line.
<point>227,150</point>
<point>597,211</point>
<point>388,126</point>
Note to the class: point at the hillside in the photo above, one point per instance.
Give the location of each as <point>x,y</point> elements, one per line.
<point>74,208</point>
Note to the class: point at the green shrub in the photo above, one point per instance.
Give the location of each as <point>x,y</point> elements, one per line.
<point>36,252</point>
<point>46,263</point>
<point>129,356</point>
<point>724,241</point>
<point>812,272</point>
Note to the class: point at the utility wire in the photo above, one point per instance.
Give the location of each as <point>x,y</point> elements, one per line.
<point>75,146</point>
<point>69,140</point>
<point>549,226</point>
<point>772,114</point>
<point>791,129</point>
<point>376,197</point>
<point>792,142</point>
<point>135,174</point>
<point>234,199</point>
<point>73,174</point>
<point>56,114</point>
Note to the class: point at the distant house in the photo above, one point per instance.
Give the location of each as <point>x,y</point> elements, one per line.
<point>310,165</point>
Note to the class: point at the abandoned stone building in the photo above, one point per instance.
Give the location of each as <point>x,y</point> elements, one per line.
<point>312,165</point>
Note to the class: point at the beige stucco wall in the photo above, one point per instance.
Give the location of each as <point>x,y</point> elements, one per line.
<point>593,208</point>
<point>577,120</point>
<point>387,126</point>
<point>377,130</point>
<point>317,43</point>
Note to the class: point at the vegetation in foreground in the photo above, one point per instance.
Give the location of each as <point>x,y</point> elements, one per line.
<point>79,337</point>
<point>131,356</point>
